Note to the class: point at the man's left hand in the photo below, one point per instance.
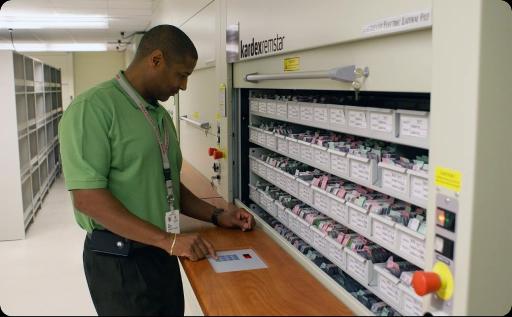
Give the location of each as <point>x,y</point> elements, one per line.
<point>238,218</point>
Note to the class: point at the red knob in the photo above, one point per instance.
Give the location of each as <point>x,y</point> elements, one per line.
<point>218,154</point>
<point>211,151</point>
<point>426,282</point>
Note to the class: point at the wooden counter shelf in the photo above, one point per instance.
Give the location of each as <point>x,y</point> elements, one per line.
<point>284,288</point>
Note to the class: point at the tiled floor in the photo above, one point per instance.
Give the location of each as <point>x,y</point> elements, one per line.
<point>43,274</point>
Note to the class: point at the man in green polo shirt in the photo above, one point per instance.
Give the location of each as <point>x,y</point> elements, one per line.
<point>121,161</point>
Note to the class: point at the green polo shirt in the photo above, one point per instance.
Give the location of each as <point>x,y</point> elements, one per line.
<point>106,142</point>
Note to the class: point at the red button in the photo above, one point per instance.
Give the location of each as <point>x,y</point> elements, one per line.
<point>426,282</point>
<point>211,151</point>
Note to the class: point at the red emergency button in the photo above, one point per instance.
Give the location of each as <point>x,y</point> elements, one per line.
<point>211,151</point>
<point>426,282</point>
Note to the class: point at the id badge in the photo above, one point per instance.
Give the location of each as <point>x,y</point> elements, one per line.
<point>172,221</point>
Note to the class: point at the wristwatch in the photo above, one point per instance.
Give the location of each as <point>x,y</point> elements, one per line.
<point>215,215</point>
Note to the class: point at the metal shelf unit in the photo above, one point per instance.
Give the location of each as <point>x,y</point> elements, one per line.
<point>32,110</point>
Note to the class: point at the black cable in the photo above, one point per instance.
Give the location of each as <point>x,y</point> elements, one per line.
<point>12,40</point>
<point>131,35</point>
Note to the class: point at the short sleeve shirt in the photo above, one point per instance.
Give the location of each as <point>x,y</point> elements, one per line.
<point>106,142</point>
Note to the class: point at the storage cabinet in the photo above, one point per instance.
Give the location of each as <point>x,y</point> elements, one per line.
<point>32,107</point>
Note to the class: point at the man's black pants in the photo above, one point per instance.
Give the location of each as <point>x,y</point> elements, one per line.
<point>145,283</point>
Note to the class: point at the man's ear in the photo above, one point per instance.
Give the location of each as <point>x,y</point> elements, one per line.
<point>156,58</point>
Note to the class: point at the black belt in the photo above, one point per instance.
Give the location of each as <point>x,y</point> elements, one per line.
<point>104,241</point>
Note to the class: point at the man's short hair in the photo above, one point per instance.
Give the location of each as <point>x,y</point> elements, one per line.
<point>175,45</point>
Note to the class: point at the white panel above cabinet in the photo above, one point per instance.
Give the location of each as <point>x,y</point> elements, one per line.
<point>291,25</point>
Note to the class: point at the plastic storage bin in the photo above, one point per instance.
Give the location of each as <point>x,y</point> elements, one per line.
<point>384,232</point>
<point>305,192</point>
<point>306,153</point>
<point>387,285</point>
<point>281,110</point>
<point>339,163</point>
<point>358,267</point>
<point>336,253</point>
<point>394,178</point>
<point>337,118</point>
<point>282,144</point>
<point>382,122</point>
<point>293,148</point>
<point>363,170</point>
<point>358,219</point>
<point>321,115</point>
<point>418,186</point>
<point>411,244</point>
<point>293,111</point>
<point>321,201</point>
<point>357,119</point>
<point>321,157</point>
<point>413,127</point>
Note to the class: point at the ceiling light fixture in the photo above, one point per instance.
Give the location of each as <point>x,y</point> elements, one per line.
<point>56,47</point>
<point>54,22</point>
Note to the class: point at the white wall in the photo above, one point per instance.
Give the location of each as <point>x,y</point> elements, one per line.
<point>92,68</point>
<point>64,61</point>
<point>199,20</point>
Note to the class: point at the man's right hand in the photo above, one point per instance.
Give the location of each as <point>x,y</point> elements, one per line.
<point>192,246</point>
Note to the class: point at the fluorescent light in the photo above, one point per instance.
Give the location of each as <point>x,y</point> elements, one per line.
<point>55,47</point>
<point>54,22</point>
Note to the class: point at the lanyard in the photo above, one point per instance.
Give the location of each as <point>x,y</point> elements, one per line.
<point>163,144</point>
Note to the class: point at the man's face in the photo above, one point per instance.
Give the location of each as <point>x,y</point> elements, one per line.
<point>172,77</point>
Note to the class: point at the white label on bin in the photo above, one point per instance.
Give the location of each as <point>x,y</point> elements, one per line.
<point>262,138</point>
<point>293,112</point>
<point>358,220</point>
<point>282,146</point>
<point>321,115</point>
<point>419,187</point>
<point>294,149</point>
<point>336,256</point>
<point>357,119</point>
<point>412,305</point>
<point>413,126</point>
<point>306,113</point>
<point>384,233</point>
<point>262,107</point>
<point>253,135</point>
<point>339,164</point>
<point>306,153</point>
<point>381,122</point>
<point>321,202</point>
<point>360,170</point>
<point>322,158</point>
<point>306,194</point>
<point>281,110</point>
<point>412,246</point>
<point>271,108</point>
<point>254,106</point>
<point>394,180</point>
<point>271,141</point>
<point>337,116</point>
<point>390,290</point>
<point>338,211</point>
<point>254,166</point>
<point>356,268</point>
